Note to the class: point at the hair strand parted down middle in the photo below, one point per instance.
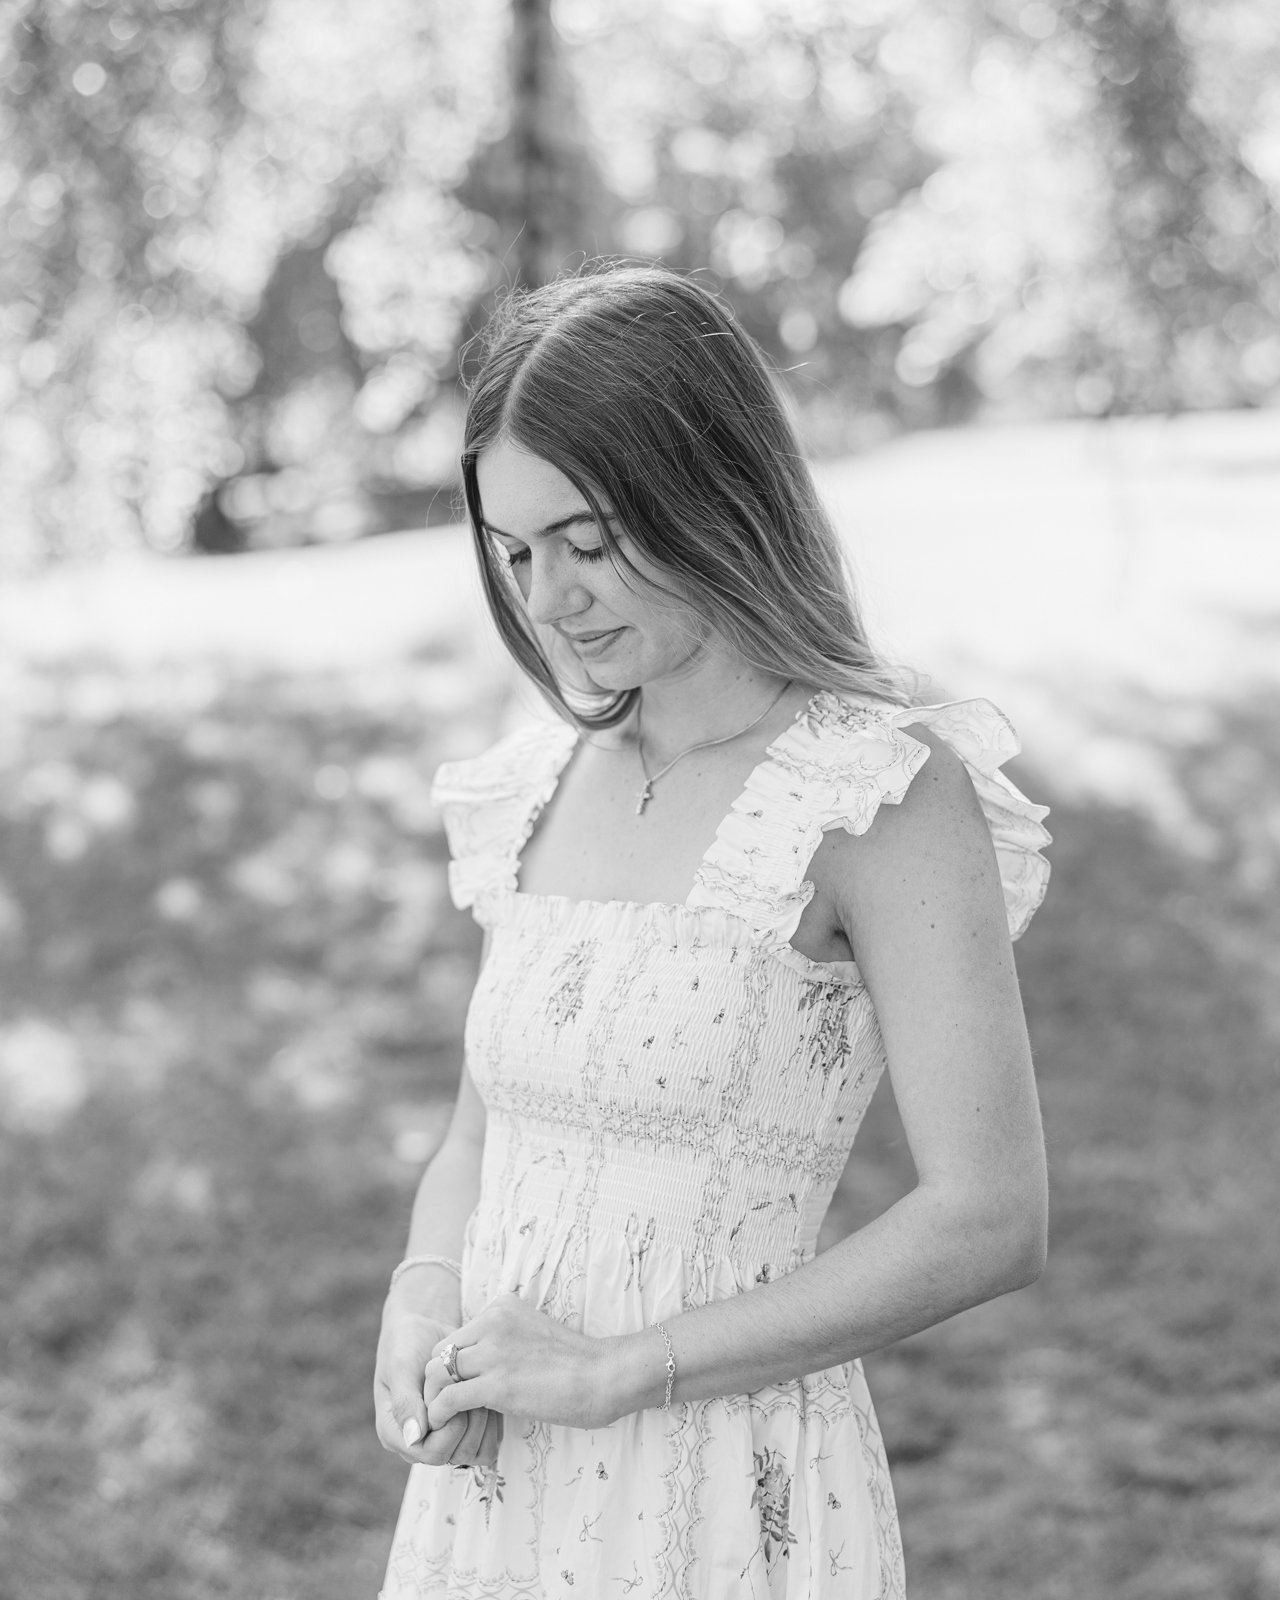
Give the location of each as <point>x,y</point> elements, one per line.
<point>640,387</point>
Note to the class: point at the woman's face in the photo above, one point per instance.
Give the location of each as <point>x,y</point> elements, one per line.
<point>620,636</point>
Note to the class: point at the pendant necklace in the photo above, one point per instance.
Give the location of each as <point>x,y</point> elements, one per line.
<point>646,794</point>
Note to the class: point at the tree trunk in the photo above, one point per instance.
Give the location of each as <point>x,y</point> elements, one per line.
<point>531,48</point>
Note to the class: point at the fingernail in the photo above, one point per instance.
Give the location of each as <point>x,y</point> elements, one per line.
<point>412,1433</point>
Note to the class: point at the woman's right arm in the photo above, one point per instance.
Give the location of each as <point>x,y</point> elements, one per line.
<point>424,1305</point>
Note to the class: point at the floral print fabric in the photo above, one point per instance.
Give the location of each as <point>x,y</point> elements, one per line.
<point>671,1094</point>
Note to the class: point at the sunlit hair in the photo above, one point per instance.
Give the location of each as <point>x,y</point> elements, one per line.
<point>642,389</point>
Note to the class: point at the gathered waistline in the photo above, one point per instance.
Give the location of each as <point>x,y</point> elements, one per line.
<point>751,1245</point>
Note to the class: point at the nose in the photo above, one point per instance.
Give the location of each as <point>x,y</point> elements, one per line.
<point>554,590</point>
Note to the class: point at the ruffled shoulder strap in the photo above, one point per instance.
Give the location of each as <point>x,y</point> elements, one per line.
<point>833,768</point>
<point>490,802</point>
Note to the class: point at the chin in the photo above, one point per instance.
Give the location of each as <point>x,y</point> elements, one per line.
<point>598,678</point>
<point>613,677</point>
<point>611,680</point>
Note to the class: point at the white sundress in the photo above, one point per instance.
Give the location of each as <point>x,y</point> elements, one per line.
<point>671,1094</point>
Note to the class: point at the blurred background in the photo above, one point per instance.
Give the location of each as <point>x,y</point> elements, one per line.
<point>1017,263</point>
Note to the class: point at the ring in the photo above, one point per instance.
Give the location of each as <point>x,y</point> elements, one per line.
<point>449,1357</point>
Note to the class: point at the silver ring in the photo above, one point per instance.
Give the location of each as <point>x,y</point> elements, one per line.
<point>449,1357</point>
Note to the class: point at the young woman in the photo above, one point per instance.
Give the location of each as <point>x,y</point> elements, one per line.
<point>739,874</point>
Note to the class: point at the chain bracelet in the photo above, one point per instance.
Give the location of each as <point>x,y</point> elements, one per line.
<point>671,1365</point>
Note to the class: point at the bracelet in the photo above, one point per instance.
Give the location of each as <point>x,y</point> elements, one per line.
<point>425,1261</point>
<point>671,1365</point>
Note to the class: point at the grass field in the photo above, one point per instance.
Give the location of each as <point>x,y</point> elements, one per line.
<point>232,997</point>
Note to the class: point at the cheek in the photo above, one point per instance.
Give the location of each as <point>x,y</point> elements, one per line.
<point>686,631</point>
<point>660,617</point>
<point>669,631</point>
<point>660,613</point>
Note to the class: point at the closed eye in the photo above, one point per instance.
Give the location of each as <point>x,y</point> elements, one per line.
<point>516,558</point>
<point>582,554</point>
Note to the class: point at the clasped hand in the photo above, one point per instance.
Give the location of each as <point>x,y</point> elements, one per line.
<point>405,1378</point>
<point>520,1362</point>
<point>512,1360</point>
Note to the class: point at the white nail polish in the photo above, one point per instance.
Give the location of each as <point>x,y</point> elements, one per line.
<point>412,1433</point>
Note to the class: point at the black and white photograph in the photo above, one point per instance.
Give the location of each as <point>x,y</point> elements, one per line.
<point>639,800</point>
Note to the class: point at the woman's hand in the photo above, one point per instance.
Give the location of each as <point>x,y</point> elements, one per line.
<point>406,1378</point>
<point>523,1363</point>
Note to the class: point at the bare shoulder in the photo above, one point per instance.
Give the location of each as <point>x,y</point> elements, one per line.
<point>934,846</point>
<point>940,801</point>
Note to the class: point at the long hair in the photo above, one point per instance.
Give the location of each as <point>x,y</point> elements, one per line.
<point>640,386</point>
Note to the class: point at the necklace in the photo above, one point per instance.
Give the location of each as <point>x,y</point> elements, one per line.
<point>646,794</point>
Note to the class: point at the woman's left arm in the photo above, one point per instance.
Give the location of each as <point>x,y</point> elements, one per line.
<point>919,899</point>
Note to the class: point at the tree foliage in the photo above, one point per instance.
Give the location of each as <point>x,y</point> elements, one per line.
<point>227,225</point>
<point>1193,238</point>
<point>244,242</point>
<point>925,211</point>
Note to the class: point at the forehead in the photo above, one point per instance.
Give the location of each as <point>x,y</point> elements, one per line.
<point>520,492</point>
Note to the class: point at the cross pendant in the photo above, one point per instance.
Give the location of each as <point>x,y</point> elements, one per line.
<point>643,798</point>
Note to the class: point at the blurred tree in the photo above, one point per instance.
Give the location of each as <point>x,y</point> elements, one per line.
<point>559,201</point>
<point>244,241</point>
<point>162,163</point>
<point>110,123</point>
<point>538,182</point>
<point>1192,241</point>
<point>303,354</point>
<point>763,147</point>
<point>1094,236</point>
<point>533,58</point>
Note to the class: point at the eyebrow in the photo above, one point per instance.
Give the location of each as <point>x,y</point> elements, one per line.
<point>573,520</point>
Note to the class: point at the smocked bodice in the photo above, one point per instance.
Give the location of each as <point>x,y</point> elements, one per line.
<point>654,1075</point>
<point>676,1083</point>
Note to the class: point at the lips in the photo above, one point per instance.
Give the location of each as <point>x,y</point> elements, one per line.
<point>587,646</point>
